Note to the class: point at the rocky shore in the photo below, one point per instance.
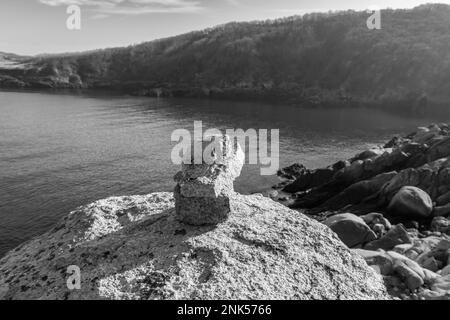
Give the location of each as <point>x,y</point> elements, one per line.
<point>390,205</point>
<point>375,226</point>
<point>204,241</point>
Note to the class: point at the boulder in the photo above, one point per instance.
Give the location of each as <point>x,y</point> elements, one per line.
<point>292,172</point>
<point>411,202</point>
<point>397,235</point>
<point>380,259</point>
<point>135,247</point>
<point>310,179</point>
<point>442,284</point>
<point>430,276</point>
<point>376,218</point>
<point>390,160</point>
<point>379,229</point>
<point>438,150</point>
<point>440,224</point>
<point>432,252</point>
<point>370,153</point>
<point>411,278</point>
<point>433,243</point>
<point>434,295</point>
<point>351,174</point>
<point>427,135</point>
<point>414,266</point>
<point>443,199</point>
<point>378,223</point>
<point>445,271</point>
<point>442,211</point>
<point>203,190</point>
<point>357,192</point>
<point>351,229</point>
<point>431,264</point>
<point>411,272</point>
<point>402,248</point>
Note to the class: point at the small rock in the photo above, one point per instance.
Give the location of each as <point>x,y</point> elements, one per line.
<point>432,264</point>
<point>379,259</point>
<point>371,153</point>
<point>411,254</point>
<point>413,233</point>
<point>292,172</point>
<point>411,224</point>
<point>440,224</point>
<point>445,271</point>
<point>443,199</point>
<point>309,179</point>
<point>392,281</point>
<point>434,295</point>
<point>402,248</point>
<point>430,248</point>
<point>430,276</point>
<point>443,245</point>
<point>403,296</point>
<point>411,202</point>
<point>424,134</point>
<point>414,266</point>
<point>379,230</point>
<point>443,211</point>
<point>412,280</point>
<point>397,235</point>
<point>273,194</point>
<point>351,229</point>
<point>442,284</point>
<point>374,218</point>
<point>262,251</point>
<point>351,173</point>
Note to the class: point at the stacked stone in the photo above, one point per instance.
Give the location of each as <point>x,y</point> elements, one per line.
<point>203,190</point>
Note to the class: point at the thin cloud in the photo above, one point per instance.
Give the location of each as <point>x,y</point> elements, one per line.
<point>104,8</point>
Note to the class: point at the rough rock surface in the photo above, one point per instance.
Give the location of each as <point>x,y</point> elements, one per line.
<point>411,202</point>
<point>135,248</point>
<point>377,259</point>
<point>351,229</point>
<point>398,235</point>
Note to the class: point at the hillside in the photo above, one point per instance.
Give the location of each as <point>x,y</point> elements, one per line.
<point>314,59</point>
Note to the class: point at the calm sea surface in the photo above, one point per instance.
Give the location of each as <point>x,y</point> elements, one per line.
<point>59,151</point>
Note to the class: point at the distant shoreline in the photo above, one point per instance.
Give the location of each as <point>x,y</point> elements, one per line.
<point>400,107</point>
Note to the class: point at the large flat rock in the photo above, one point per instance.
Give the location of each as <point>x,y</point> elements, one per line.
<point>134,248</point>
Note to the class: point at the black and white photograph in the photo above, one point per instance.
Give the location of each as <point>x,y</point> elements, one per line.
<point>223,155</point>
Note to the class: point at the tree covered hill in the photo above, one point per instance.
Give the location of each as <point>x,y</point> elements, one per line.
<point>312,59</point>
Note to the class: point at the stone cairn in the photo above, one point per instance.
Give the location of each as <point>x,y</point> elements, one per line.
<point>203,190</point>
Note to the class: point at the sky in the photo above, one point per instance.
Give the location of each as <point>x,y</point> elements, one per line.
<point>31,27</point>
